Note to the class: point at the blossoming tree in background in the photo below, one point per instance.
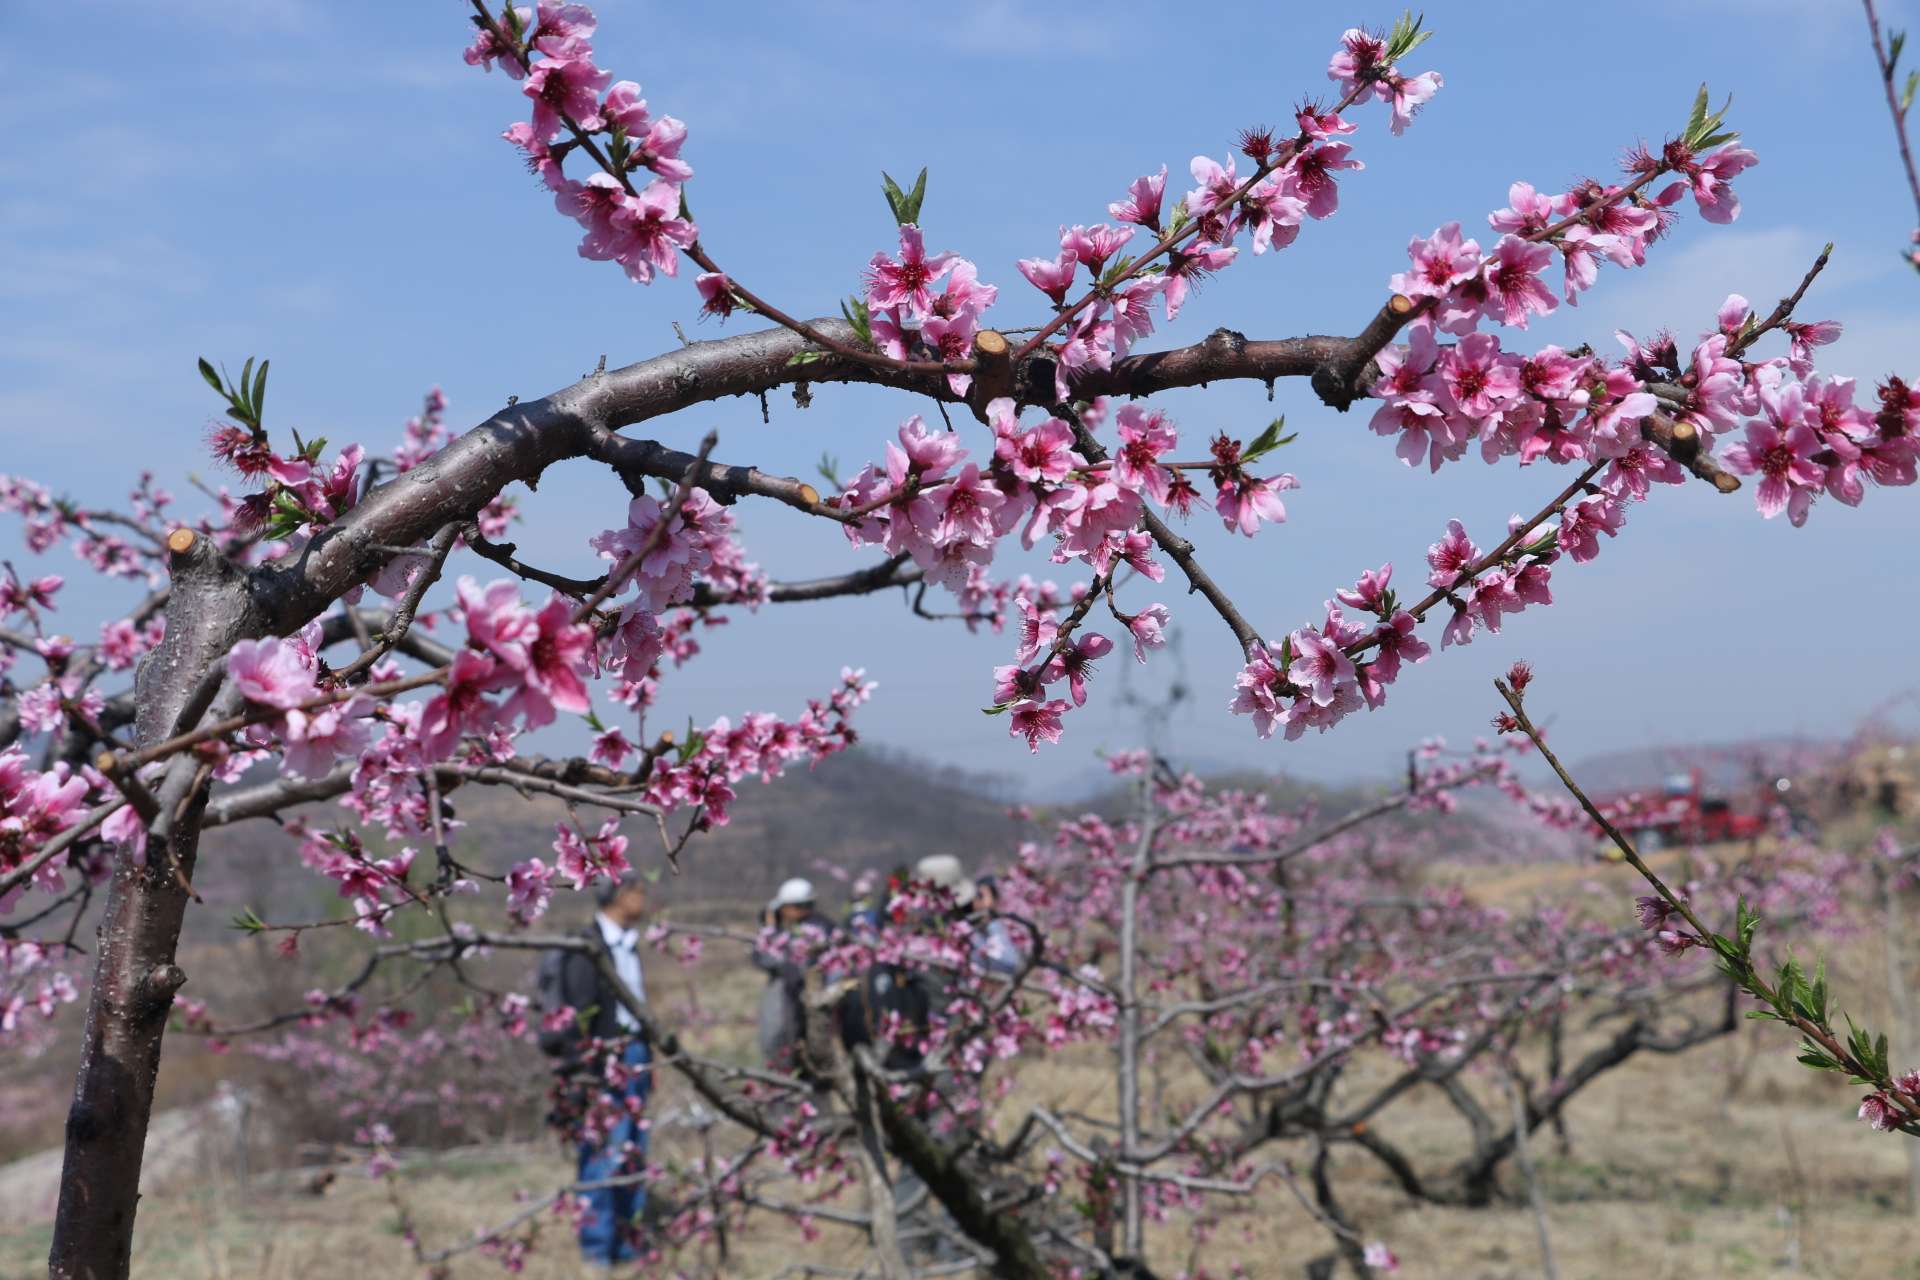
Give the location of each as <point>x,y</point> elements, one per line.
<point>288,634</point>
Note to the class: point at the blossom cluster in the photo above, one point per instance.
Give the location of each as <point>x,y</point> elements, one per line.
<point>643,228</point>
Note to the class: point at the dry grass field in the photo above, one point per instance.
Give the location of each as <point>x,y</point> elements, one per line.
<point>1731,1161</point>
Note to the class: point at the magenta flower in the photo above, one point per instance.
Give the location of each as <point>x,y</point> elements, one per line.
<point>1184,266</point>
<point>497,623</point>
<point>1043,453</point>
<point>1712,179</point>
<point>1582,524</point>
<point>951,338</point>
<point>1142,205</point>
<point>626,109</point>
<point>1051,276</point>
<point>270,672</point>
<point>1452,556</point>
<point>716,293</point>
<point>909,281</point>
<point>563,89</point>
<point>1036,722</point>
<point>1440,261</point>
<point>1514,288</point>
<point>558,652</point>
<point>1790,479</point>
<point>1477,376</point>
<point>967,507</point>
<point>1358,59</point>
<point>1144,435</point>
<point>1075,662</point>
<point>461,707</point>
<point>1879,1113</point>
<point>528,890</point>
<point>656,232</point>
<point>1037,630</point>
<point>1313,180</point>
<point>1273,214</point>
<point>1397,643</point>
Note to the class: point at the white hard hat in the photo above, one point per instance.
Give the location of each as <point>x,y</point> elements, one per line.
<point>794,893</point>
<point>945,870</point>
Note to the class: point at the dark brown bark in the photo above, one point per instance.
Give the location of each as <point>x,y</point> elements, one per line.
<point>135,977</point>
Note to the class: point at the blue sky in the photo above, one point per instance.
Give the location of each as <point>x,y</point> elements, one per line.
<point>323,183</point>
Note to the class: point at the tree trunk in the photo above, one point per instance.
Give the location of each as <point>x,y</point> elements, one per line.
<point>133,987</point>
<point>135,977</point>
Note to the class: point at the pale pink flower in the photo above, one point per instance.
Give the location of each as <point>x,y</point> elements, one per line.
<point>1142,205</point>
<point>565,88</point>
<point>1051,276</point>
<point>1319,666</point>
<point>1148,628</point>
<point>1244,502</point>
<point>270,672</point>
<point>655,232</point>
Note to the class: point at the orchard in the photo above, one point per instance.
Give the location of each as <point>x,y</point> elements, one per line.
<point>338,643</point>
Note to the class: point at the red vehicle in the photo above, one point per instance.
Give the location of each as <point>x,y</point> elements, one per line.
<point>1680,812</point>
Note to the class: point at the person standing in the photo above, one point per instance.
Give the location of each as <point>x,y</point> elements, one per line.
<point>605,1055</point>
<point>793,931</point>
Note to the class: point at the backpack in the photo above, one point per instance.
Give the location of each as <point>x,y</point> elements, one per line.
<point>550,994</point>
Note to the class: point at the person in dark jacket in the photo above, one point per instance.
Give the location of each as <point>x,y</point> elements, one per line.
<point>608,1047</point>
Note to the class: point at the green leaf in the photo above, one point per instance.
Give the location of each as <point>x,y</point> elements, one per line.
<point>213,379</point>
<point>829,469</point>
<point>1698,116</point>
<point>858,316</point>
<point>247,922</point>
<point>995,709</point>
<point>1115,270</point>
<point>916,197</point>
<point>896,198</point>
<point>1286,653</point>
<point>805,357</point>
<point>1906,94</point>
<point>1896,41</point>
<point>1406,36</point>
<point>1267,441</point>
<point>260,391</point>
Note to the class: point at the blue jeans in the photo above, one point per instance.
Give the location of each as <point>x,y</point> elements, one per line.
<point>605,1235</point>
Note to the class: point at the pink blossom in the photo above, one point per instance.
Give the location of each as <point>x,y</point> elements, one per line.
<point>1879,1113</point>
<point>1255,692</point>
<point>270,672</point>
<point>1477,376</point>
<point>1452,556</point>
<point>1244,502</point>
<point>716,293</point>
<point>486,48</point>
<point>1036,721</point>
<point>1440,262</point>
<point>1312,174</point>
<point>1043,453</point>
<point>1217,187</point>
<point>558,651</point>
<point>1370,592</point>
<point>655,232</point>
<point>1092,246</point>
<point>1075,662</point>
<point>909,281</point>
<point>1051,276</point>
<point>1514,288</point>
<point>563,88</point>
<point>1406,95</point>
<point>1319,667</point>
<point>1142,205</point>
<point>528,890</point>
<point>1148,628</point>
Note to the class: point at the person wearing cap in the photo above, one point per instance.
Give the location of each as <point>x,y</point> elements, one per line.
<point>793,931</point>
